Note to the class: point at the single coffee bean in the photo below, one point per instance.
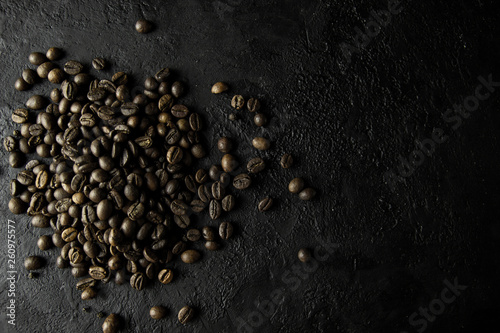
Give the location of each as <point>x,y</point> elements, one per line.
<point>219,87</point>
<point>190,256</point>
<point>208,233</point>
<point>185,315</point>
<point>122,93</point>
<point>229,163</point>
<point>211,245</point>
<point>137,281</point>
<point>29,76</point>
<point>162,75</point>
<point>183,221</point>
<point>214,209</point>
<point>44,69</point>
<point>179,207</point>
<point>193,235</point>
<point>98,272</point>
<point>204,193</point>
<point>54,53</point>
<point>73,67</point>
<point>304,255</point>
<point>35,102</point>
<point>174,155</point>
<point>179,111</point>
<point>111,324</point>
<point>253,105</point>
<point>69,234</point>
<point>260,119</point>
<point>165,103</point>
<point>286,161</point>
<point>242,181</point>
<point>218,190</point>
<point>307,194</point>
<point>225,179</point>
<point>228,203</point>
<point>265,204</point>
<point>143,26</point>
<point>238,102</point>
<point>261,143</point>
<point>21,85</point>
<point>20,116</point>
<point>214,172</point>
<point>158,312</point>
<point>225,230</point>
<point>296,185</point>
<point>88,293</point>
<point>42,179</point>
<point>85,283</point>
<point>165,276</point>
<point>56,75</point>
<point>32,263</point>
<point>201,175</point>
<point>17,206</point>
<point>37,58</point>
<point>195,122</point>
<point>256,165</point>
<point>225,144</point>
<point>197,206</point>
<point>198,151</point>
<point>98,63</point>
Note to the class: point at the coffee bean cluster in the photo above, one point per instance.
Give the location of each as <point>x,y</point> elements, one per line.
<point>114,176</point>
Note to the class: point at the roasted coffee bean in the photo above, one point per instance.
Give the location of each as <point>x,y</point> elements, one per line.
<point>183,221</point>
<point>21,85</point>
<point>208,233</point>
<point>193,235</point>
<point>29,76</point>
<point>229,163</point>
<point>179,207</point>
<point>37,58</point>
<point>218,190</point>
<point>104,209</point>
<point>304,255</point>
<point>108,86</point>
<point>261,143</point>
<point>260,119</point>
<point>228,203</point>
<point>122,93</point>
<point>76,255</point>
<point>88,293</point>
<point>115,262</point>
<point>44,69</point>
<point>69,234</point>
<point>119,78</point>
<point>137,281</point>
<point>214,172</point>
<point>177,89</point>
<point>256,165</point>
<point>224,144</point>
<point>98,63</point>
<point>157,312</point>
<point>179,111</point>
<point>111,324</point>
<point>265,204</point>
<point>85,283</point>
<point>195,122</point>
<point>198,151</point>
<point>98,272</point>
<point>32,263</point>
<point>73,67</point>
<point>143,26</point>
<point>286,161</point>
<point>20,116</point>
<point>242,181</point>
<point>307,194</point>
<point>197,206</point>
<point>296,185</point>
<point>162,75</point>
<point>253,105</point>
<point>211,245</point>
<point>219,87</point>
<point>69,90</point>
<point>56,75</point>
<point>185,315</point>
<point>190,256</point>
<point>39,221</point>
<point>97,94</point>
<point>165,276</point>
<point>174,155</point>
<point>17,206</point>
<point>214,209</point>
<point>225,230</point>
<point>129,109</point>
<point>15,188</point>
<point>238,102</point>
<point>26,177</point>
<point>165,103</point>
<point>204,193</point>
<point>54,53</point>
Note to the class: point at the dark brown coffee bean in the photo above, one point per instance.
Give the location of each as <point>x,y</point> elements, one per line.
<point>88,293</point>
<point>157,312</point>
<point>214,209</point>
<point>111,324</point>
<point>228,203</point>
<point>162,75</point>
<point>129,109</point>
<point>165,103</point>
<point>143,26</point>
<point>179,247</point>
<point>195,122</point>
<point>26,177</point>
<point>260,119</point>
<point>165,276</point>
<point>296,185</point>
<point>253,104</point>
<point>136,211</point>
<point>211,245</point>
<point>174,155</point>
<point>42,179</point>
<point>185,315</point>
<point>21,85</point>
<point>225,145</point>
<point>183,221</point>
<point>29,76</point>
<point>265,204</point>
<point>56,75</point>
<point>261,143</point>
<point>190,256</point>
<point>85,283</point>
<point>229,163</point>
<point>197,206</point>
<point>98,63</point>
<point>54,53</point>
<point>179,207</point>
<point>286,161</point>
<point>242,181</point>
<point>36,102</point>
<point>304,255</point>
<point>307,194</point>
<point>225,230</point>
<point>17,206</point>
<point>44,69</point>
<point>201,176</point>
<point>137,281</point>
<point>218,190</point>
<point>32,263</point>
<point>20,116</point>
<point>37,58</point>
<point>204,193</point>
<point>238,102</point>
<point>73,67</point>
<point>177,89</point>
<point>108,86</point>
<point>69,234</point>
<point>193,235</point>
<point>179,111</point>
<point>208,233</point>
<point>256,165</point>
<point>219,87</point>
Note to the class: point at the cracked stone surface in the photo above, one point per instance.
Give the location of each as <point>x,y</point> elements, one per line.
<point>382,252</point>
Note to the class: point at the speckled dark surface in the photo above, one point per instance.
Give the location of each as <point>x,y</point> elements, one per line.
<point>346,123</point>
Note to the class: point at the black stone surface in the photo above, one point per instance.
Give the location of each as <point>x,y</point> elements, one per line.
<point>346,123</point>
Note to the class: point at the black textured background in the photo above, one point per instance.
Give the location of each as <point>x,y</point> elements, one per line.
<point>346,123</point>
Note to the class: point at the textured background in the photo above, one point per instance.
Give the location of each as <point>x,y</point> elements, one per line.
<point>346,122</point>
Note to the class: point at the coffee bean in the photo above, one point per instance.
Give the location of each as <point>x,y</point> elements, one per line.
<point>17,206</point>
<point>286,161</point>
<point>253,105</point>
<point>197,206</point>
<point>85,283</point>
<point>229,163</point>
<point>183,221</point>
<point>179,111</point>
<point>204,193</point>
<point>69,90</point>
<point>21,85</point>
<point>242,181</point>
<point>37,58</point>
<point>174,155</point>
<point>20,116</point>
<point>88,293</point>
<point>29,76</point>
<point>304,255</point>
<point>44,69</point>
<point>33,263</point>
<point>200,176</point>
<point>54,53</point>
<point>122,93</point>
<point>296,185</point>
<point>256,165</point>
<point>36,102</point>
<point>214,209</point>
<point>219,87</point>
<point>73,67</point>
<point>218,190</point>
<point>261,143</point>
<point>190,256</point>
<point>195,122</point>
<point>179,207</point>
<point>211,245</point>
<point>193,235</point>
<point>165,276</point>
<point>307,194</point>
<point>260,119</point>
<point>143,26</point>
<point>26,177</point>
<point>98,63</point>
<point>158,312</point>
<point>56,75</point>
<point>162,75</point>
<point>225,230</point>
<point>111,324</point>
<point>238,102</point>
<point>137,281</point>
<point>185,315</point>
<point>265,204</point>
<point>228,203</point>
<point>165,103</point>
<point>179,247</point>
<point>225,145</point>
<point>42,179</point>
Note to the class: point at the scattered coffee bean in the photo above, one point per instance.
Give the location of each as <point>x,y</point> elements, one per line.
<point>88,293</point>
<point>44,242</point>
<point>37,58</point>
<point>111,324</point>
<point>29,76</point>
<point>296,185</point>
<point>225,230</point>
<point>158,312</point>
<point>143,26</point>
<point>185,315</point>
<point>32,263</point>
<point>228,203</point>
<point>98,63</point>
<point>21,85</point>
<point>242,181</point>
<point>256,165</point>
<point>165,276</point>
<point>54,53</point>
<point>224,144</point>
<point>261,143</point>
<point>190,256</point>
<point>253,105</point>
<point>286,161</point>
<point>304,255</point>
<point>307,194</point>
<point>73,67</point>
<point>260,119</point>
<point>238,102</point>
<point>229,163</point>
<point>219,87</point>
<point>265,204</point>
